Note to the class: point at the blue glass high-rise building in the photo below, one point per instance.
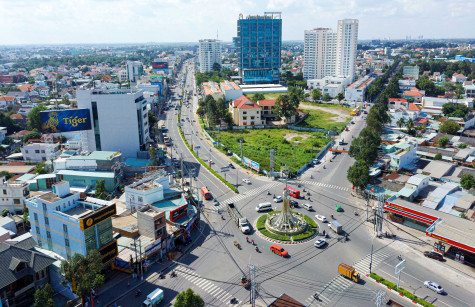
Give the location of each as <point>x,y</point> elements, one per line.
<point>259,42</point>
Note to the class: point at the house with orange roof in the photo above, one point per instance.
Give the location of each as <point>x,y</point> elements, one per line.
<point>19,118</point>
<point>26,87</point>
<point>7,101</point>
<point>231,90</point>
<point>414,94</point>
<point>245,112</point>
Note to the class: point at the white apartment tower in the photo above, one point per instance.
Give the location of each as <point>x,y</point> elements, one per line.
<point>346,43</point>
<point>209,53</point>
<point>319,53</point>
<point>327,53</point>
<point>134,70</point>
<point>119,120</point>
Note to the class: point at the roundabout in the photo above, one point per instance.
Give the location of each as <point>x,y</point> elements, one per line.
<point>286,226</point>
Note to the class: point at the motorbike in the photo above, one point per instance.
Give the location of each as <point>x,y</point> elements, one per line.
<point>172,274</point>
<point>356,213</point>
<point>137,293</point>
<point>222,217</point>
<point>324,167</point>
<point>308,194</point>
<point>236,243</point>
<point>257,249</point>
<point>268,192</point>
<point>332,216</point>
<point>233,300</point>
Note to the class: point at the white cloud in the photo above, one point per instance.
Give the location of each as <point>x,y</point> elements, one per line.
<point>115,21</point>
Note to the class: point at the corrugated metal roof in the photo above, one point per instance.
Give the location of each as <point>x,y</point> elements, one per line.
<point>86,174</point>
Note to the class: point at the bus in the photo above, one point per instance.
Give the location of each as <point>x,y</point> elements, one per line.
<point>206,193</point>
<point>293,192</point>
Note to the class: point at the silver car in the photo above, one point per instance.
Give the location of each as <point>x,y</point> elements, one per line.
<point>434,286</point>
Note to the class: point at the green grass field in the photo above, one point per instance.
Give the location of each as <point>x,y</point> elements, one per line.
<point>329,105</point>
<point>258,143</point>
<point>322,119</point>
<point>271,96</point>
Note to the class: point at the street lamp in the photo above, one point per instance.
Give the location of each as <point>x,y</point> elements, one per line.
<point>371,257</point>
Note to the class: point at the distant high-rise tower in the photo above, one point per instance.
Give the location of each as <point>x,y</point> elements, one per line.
<point>259,42</point>
<point>209,53</point>
<point>327,53</point>
<point>319,53</point>
<point>346,44</point>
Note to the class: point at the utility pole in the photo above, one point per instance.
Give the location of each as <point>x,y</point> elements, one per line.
<point>141,262</point>
<point>295,157</point>
<point>252,293</point>
<point>371,257</point>
<point>367,205</point>
<point>240,142</point>
<point>182,174</point>
<point>272,154</point>
<point>379,214</point>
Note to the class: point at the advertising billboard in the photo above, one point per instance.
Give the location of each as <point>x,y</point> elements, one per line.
<point>64,121</point>
<point>160,66</point>
<point>153,247</point>
<point>96,217</point>
<point>178,212</point>
<point>109,252</point>
<point>252,164</point>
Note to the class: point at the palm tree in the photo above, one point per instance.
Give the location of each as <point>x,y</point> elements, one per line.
<point>401,122</point>
<point>409,124</point>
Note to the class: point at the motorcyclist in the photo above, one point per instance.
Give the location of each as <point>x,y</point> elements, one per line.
<point>257,249</point>
<point>247,239</point>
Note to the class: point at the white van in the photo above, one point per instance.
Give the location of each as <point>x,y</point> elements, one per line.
<point>308,207</point>
<point>264,207</point>
<point>154,298</point>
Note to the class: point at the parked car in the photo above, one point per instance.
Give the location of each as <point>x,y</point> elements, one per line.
<point>278,199</point>
<point>247,181</point>
<point>321,218</point>
<point>434,286</point>
<point>320,242</point>
<point>434,255</point>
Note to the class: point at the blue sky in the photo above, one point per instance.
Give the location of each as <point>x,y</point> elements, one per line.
<point>135,21</point>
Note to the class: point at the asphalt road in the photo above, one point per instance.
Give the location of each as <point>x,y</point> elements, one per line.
<point>215,266</point>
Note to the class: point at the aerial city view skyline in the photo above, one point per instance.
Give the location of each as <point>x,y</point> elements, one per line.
<point>237,153</point>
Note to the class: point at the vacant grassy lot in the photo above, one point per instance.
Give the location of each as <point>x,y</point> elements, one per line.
<point>257,144</point>
<point>322,119</point>
<point>329,105</point>
<point>271,96</point>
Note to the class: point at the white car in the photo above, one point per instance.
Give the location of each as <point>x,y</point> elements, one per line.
<point>278,199</point>
<point>321,218</point>
<point>246,181</point>
<point>434,286</point>
<point>320,242</point>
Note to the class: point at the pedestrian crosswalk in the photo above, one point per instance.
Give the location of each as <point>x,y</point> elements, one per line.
<point>325,185</point>
<point>207,286</point>
<point>338,285</point>
<point>247,194</point>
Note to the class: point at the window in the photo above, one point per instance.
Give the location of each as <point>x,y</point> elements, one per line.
<point>65,228</point>
<point>46,220</point>
<point>42,151</point>
<point>44,207</point>
<point>105,232</point>
<point>58,208</point>
<point>245,112</point>
<point>66,242</point>
<point>48,235</point>
<point>4,192</point>
<point>26,151</point>
<point>140,199</point>
<point>37,230</point>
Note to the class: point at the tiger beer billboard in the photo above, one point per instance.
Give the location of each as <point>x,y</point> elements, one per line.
<point>65,120</point>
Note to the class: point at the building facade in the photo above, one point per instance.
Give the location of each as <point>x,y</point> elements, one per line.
<point>36,152</point>
<point>14,194</point>
<point>209,54</point>
<point>119,120</point>
<point>411,71</point>
<point>319,53</point>
<point>329,53</point>
<point>259,40</point>
<point>66,223</point>
<point>346,44</point>
<point>134,70</point>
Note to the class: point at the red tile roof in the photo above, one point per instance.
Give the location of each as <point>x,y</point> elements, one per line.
<point>5,98</point>
<point>244,103</point>
<point>414,107</point>
<point>398,99</point>
<point>266,102</point>
<point>18,116</point>
<point>413,93</point>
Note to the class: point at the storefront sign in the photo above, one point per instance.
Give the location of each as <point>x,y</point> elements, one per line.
<point>109,252</point>
<point>153,247</point>
<point>96,217</point>
<point>178,212</point>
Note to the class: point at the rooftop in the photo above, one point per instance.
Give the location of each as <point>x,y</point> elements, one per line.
<point>97,155</point>
<point>86,174</point>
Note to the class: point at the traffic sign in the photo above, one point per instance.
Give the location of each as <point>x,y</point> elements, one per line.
<point>197,147</point>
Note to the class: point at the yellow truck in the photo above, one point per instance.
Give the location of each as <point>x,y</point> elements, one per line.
<point>349,272</point>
